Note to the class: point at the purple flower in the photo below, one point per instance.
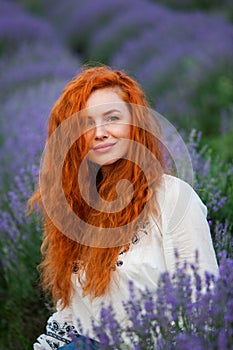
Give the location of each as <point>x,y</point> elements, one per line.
<point>24,125</point>
<point>34,62</point>
<point>169,318</point>
<point>110,38</point>
<point>17,26</point>
<point>16,228</point>
<point>211,175</point>
<point>173,59</point>
<point>223,238</point>
<point>77,22</point>
<point>109,330</point>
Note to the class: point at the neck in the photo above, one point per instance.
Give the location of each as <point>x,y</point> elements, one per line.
<point>106,170</point>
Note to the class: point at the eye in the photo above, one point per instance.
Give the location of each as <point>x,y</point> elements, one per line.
<point>113,118</point>
<point>90,122</point>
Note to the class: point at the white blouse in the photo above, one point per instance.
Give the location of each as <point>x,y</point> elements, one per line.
<point>182,226</point>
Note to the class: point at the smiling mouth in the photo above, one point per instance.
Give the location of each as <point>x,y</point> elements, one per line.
<point>104,148</point>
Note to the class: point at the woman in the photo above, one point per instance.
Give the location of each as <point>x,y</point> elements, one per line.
<point>111,214</point>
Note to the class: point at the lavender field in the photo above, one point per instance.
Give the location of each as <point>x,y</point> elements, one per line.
<point>181,52</point>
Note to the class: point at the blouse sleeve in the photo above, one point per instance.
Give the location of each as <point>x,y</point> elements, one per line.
<point>58,327</point>
<point>185,228</point>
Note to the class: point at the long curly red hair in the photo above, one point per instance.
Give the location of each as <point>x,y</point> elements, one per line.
<point>63,255</point>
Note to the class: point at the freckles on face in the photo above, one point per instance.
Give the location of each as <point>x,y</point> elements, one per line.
<point>108,120</point>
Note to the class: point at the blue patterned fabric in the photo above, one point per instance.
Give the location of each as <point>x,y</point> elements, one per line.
<point>81,343</point>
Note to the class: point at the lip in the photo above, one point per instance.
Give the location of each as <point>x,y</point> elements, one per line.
<point>103,147</point>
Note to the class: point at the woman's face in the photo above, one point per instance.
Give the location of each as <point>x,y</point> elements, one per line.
<point>108,120</point>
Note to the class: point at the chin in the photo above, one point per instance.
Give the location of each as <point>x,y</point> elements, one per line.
<point>109,162</point>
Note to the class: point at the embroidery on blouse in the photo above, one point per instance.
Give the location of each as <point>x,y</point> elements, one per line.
<point>56,331</point>
<point>143,230</point>
<point>76,266</point>
<point>53,345</point>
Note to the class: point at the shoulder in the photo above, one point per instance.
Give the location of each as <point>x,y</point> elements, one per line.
<point>174,183</point>
<point>177,198</point>
<point>174,189</point>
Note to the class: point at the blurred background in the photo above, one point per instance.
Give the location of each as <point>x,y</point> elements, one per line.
<point>181,53</point>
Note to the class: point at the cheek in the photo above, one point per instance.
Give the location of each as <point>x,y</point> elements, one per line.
<point>128,131</point>
<point>122,131</point>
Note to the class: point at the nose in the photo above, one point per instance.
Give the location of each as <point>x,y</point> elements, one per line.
<point>100,132</point>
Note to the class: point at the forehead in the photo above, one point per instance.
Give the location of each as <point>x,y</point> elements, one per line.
<point>104,99</point>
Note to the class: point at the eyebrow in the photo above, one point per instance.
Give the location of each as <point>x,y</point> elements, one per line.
<point>111,111</point>
<point>108,112</point>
